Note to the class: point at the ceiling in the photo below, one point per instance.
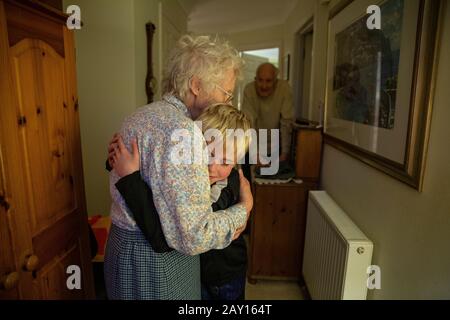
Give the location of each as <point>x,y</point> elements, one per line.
<point>229,16</point>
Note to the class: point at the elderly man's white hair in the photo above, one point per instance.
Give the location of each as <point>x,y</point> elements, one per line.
<point>202,56</point>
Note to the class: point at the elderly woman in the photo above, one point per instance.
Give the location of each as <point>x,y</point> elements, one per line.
<point>201,71</point>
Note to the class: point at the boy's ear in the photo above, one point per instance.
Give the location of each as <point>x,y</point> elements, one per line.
<point>195,85</point>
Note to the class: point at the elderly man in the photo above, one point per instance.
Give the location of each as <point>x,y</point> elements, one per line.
<point>268,103</point>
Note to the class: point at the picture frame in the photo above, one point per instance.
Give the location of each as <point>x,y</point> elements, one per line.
<point>380,84</point>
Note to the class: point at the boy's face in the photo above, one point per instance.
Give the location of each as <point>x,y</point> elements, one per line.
<point>219,172</point>
<point>220,169</point>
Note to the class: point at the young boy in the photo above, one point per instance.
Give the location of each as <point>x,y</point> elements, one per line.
<point>223,272</point>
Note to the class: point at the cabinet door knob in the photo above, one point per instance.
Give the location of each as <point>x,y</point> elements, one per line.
<point>31,263</point>
<point>10,281</point>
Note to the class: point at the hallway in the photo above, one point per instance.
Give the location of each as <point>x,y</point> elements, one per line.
<point>362,207</point>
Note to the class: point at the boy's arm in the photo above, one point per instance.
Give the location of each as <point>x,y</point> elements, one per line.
<point>139,199</point>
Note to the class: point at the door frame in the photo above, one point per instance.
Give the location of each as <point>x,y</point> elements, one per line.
<point>299,53</point>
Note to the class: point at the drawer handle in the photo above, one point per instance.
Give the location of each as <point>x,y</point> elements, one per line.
<point>10,281</point>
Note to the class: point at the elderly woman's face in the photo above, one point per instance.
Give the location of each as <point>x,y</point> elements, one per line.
<point>224,90</point>
<point>218,95</point>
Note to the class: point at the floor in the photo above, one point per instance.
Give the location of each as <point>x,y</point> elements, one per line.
<point>273,290</point>
<point>262,290</point>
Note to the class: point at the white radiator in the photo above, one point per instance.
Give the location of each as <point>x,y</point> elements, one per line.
<point>337,253</point>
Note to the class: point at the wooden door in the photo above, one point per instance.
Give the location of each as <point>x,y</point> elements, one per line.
<point>42,140</point>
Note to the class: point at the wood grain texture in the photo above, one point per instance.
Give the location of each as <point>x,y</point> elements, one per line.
<point>278,230</point>
<point>43,174</point>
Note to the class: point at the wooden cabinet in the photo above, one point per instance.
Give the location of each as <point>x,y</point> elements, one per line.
<point>307,152</point>
<point>279,213</point>
<point>43,212</point>
<point>278,230</point>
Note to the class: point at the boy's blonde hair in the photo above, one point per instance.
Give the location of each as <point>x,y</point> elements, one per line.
<point>227,119</point>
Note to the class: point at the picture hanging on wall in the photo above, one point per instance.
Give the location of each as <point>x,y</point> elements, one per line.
<point>380,84</point>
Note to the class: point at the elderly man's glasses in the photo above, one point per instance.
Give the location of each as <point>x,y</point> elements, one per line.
<point>230,96</point>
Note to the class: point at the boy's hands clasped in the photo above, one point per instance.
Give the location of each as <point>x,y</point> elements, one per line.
<point>120,159</point>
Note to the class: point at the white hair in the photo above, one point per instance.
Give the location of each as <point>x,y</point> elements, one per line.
<point>202,56</point>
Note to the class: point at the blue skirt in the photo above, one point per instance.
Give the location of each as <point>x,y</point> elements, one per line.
<point>133,271</point>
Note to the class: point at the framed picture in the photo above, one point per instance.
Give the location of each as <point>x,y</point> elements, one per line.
<point>286,66</point>
<point>380,84</point>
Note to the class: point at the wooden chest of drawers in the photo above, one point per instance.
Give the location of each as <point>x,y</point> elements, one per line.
<point>278,230</point>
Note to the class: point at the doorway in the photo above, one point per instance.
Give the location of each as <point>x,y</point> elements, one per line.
<point>304,53</point>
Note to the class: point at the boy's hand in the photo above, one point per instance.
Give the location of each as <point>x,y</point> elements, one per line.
<point>121,160</point>
<point>112,148</point>
<point>239,231</point>
<point>246,193</point>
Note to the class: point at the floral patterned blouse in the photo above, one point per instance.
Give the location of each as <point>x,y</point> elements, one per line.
<point>181,190</point>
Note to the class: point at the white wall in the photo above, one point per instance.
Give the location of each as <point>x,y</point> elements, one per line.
<point>269,37</point>
<point>410,230</point>
<point>144,11</point>
<point>111,70</point>
<point>172,24</point>
<point>106,86</point>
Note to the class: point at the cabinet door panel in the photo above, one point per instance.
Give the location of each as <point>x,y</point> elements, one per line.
<point>39,77</point>
<point>54,278</point>
<point>7,264</point>
<point>40,131</point>
<point>278,231</point>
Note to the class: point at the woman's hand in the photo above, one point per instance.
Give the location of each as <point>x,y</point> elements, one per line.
<point>120,159</point>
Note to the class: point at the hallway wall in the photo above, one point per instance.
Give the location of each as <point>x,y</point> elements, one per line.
<point>106,88</point>
<point>410,230</point>
<point>111,69</point>
<point>263,38</point>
